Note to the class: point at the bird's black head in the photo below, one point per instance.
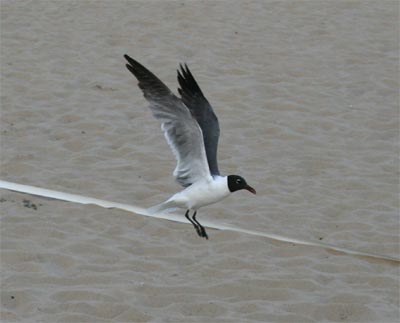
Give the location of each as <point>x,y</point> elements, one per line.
<point>236,183</point>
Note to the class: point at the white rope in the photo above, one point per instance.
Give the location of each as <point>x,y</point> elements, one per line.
<point>177,218</point>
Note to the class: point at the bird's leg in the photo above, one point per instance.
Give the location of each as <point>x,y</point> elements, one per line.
<point>194,223</point>
<point>203,232</point>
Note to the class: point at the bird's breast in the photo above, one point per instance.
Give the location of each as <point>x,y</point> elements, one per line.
<point>204,193</point>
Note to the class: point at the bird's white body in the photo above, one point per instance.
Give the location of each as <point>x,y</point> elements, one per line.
<point>202,193</point>
<point>199,194</point>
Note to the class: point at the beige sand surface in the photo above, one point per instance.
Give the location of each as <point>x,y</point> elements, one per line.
<point>307,97</point>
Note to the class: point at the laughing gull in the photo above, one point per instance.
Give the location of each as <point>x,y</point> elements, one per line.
<point>192,131</point>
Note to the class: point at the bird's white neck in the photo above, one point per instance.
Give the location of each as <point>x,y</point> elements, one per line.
<point>220,181</point>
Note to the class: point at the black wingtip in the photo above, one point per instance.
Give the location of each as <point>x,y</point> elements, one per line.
<point>183,67</point>
<point>134,63</point>
<point>135,67</point>
<point>130,68</point>
<point>130,60</point>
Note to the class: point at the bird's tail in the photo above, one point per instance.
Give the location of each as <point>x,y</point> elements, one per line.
<point>165,207</point>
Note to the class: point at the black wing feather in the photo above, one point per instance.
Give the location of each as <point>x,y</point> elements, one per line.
<point>181,129</point>
<point>193,98</point>
<point>150,84</point>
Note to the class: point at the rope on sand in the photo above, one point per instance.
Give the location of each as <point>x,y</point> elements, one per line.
<point>177,218</point>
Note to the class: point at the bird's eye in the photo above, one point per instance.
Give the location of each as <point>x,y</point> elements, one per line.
<point>238,181</point>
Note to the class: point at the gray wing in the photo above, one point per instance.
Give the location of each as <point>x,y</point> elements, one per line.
<point>204,114</point>
<point>181,130</point>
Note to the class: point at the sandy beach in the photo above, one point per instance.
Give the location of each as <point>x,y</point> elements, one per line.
<point>307,98</point>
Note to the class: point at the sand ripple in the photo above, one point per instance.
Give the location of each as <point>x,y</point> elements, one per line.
<point>307,96</point>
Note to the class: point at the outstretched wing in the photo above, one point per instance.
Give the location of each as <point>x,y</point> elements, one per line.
<point>204,114</point>
<point>181,130</point>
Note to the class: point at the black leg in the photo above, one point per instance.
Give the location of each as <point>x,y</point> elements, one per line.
<point>203,232</point>
<point>194,223</point>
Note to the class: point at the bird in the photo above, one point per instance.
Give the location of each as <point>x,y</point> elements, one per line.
<point>192,131</point>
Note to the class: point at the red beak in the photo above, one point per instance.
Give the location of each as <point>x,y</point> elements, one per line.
<point>250,189</point>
